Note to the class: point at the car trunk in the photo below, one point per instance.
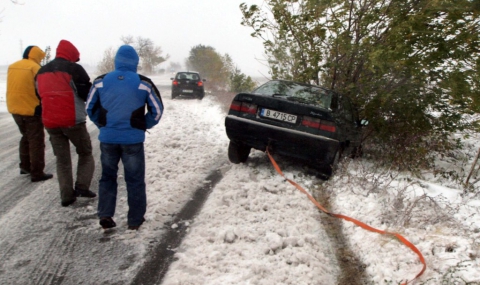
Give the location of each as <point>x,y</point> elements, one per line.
<point>283,113</point>
<point>288,127</point>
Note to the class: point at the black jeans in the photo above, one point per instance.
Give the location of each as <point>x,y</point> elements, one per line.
<point>79,137</point>
<point>32,144</point>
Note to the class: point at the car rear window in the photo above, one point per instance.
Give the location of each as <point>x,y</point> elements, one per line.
<point>306,94</point>
<point>189,76</point>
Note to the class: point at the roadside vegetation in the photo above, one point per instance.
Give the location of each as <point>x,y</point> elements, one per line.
<point>221,72</point>
<point>411,67</point>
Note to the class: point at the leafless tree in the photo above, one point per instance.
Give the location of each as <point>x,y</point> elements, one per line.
<point>108,62</point>
<point>150,55</point>
<point>127,40</point>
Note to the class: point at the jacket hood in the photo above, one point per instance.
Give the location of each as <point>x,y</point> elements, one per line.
<point>34,53</point>
<point>126,59</point>
<point>68,51</point>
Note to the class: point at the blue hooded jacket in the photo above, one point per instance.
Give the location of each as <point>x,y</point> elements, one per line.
<point>117,100</point>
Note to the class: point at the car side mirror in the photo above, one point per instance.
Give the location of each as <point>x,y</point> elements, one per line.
<point>204,80</point>
<point>171,78</point>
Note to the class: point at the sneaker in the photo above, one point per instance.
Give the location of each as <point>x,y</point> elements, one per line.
<point>68,203</point>
<point>85,193</point>
<point>23,171</point>
<point>135,228</point>
<point>107,223</point>
<point>44,177</point>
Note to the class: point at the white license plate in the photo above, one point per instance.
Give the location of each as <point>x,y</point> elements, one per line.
<point>187,91</point>
<point>289,118</point>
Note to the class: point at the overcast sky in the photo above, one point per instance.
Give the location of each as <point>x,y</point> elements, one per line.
<point>93,26</point>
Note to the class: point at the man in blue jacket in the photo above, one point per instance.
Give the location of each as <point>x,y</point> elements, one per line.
<point>116,104</point>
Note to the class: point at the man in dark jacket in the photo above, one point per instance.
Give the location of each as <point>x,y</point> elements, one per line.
<point>24,105</point>
<point>63,87</point>
<point>116,104</point>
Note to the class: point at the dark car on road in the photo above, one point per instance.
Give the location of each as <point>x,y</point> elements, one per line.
<point>308,122</point>
<point>189,84</point>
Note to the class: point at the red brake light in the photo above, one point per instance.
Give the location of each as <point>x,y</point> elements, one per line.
<point>243,107</point>
<point>249,108</point>
<point>319,124</point>
<point>175,82</point>
<point>200,83</point>
<point>236,106</point>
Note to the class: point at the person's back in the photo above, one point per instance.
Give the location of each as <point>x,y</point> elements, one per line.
<point>24,105</point>
<point>116,104</point>
<point>122,95</point>
<point>21,98</point>
<point>63,86</point>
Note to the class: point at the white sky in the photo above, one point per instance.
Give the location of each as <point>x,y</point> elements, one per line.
<point>93,26</point>
<point>255,228</point>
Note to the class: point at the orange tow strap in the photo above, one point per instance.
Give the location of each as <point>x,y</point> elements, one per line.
<point>358,223</point>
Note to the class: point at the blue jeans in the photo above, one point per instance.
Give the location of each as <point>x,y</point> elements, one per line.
<point>133,159</point>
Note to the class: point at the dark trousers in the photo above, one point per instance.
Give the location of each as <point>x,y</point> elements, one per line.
<point>32,144</point>
<point>133,159</point>
<point>60,139</point>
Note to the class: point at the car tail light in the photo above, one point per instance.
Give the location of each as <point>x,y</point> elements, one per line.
<point>243,107</point>
<point>200,83</point>
<point>319,124</point>
<point>175,82</point>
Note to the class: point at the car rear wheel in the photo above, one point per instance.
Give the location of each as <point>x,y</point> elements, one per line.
<point>330,168</point>
<point>238,152</point>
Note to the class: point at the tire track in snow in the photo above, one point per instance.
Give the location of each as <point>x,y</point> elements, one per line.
<point>52,268</point>
<point>153,271</point>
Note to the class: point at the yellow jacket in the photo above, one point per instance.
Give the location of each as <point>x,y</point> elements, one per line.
<point>21,96</point>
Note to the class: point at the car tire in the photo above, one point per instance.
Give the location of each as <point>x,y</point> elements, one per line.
<point>330,168</point>
<point>174,95</point>
<point>238,152</point>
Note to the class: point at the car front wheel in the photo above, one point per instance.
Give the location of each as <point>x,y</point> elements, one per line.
<point>357,152</point>
<point>238,152</point>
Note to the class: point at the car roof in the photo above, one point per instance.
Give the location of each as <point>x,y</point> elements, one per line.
<point>188,72</point>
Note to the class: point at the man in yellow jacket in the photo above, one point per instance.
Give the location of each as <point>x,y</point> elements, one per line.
<point>24,105</point>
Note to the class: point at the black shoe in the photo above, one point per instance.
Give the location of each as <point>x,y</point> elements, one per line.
<point>107,223</point>
<point>23,171</point>
<point>44,177</point>
<point>85,193</point>
<point>68,203</point>
<point>135,228</point>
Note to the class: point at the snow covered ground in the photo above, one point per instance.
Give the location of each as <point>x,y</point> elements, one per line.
<point>256,228</point>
